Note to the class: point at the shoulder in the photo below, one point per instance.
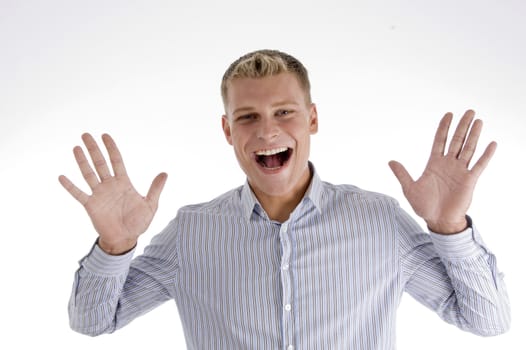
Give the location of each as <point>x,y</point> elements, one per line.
<point>359,205</point>
<point>376,207</point>
<point>195,218</point>
<point>356,195</point>
<point>228,203</point>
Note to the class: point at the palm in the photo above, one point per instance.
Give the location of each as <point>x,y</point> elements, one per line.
<point>443,193</point>
<point>118,212</point>
<point>446,182</point>
<point>115,206</point>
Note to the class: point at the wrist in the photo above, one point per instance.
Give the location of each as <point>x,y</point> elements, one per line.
<point>446,227</point>
<point>116,248</point>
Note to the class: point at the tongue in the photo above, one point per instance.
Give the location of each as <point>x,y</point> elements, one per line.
<point>273,161</point>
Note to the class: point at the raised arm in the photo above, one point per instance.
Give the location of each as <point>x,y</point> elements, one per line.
<point>451,270</point>
<point>118,212</point>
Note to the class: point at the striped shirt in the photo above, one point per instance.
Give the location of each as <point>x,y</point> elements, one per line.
<point>330,277</point>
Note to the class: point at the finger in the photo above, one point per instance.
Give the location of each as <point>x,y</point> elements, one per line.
<point>85,167</point>
<point>457,141</point>
<point>115,155</point>
<point>471,143</point>
<point>156,188</point>
<point>483,161</point>
<point>439,144</point>
<point>96,157</point>
<point>401,174</point>
<point>73,190</point>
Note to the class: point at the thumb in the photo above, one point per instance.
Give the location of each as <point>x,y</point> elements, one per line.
<point>156,188</point>
<point>401,174</point>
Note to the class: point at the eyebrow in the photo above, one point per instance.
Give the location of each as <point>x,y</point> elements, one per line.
<point>243,109</point>
<point>274,105</point>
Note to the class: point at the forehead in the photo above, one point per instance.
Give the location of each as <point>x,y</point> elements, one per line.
<point>251,92</point>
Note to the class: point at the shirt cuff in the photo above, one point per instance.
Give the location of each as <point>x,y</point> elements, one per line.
<point>465,244</point>
<point>101,263</point>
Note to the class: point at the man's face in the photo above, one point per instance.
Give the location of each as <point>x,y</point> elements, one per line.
<point>269,123</point>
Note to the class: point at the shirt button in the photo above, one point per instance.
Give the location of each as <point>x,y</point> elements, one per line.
<point>290,347</point>
<point>284,227</point>
<point>288,307</point>
<point>285,267</point>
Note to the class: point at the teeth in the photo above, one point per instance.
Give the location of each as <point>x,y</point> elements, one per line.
<point>270,152</point>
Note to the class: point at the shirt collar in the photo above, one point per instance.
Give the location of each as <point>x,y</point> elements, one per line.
<point>250,203</point>
<point>315,190</point>
<point>248,200</point>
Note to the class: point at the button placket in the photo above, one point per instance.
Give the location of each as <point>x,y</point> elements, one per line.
<point>286,280</point>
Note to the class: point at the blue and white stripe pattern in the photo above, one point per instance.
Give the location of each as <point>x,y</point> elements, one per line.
<point>330,277</point>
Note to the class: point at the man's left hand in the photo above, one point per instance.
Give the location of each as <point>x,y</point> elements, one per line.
<point>443,193</point>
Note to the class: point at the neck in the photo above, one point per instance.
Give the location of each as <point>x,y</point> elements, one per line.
<point>279,207</point>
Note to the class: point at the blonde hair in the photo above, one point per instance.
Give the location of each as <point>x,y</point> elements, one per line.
<point>264,63</point>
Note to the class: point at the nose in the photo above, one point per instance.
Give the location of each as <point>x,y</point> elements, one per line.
<point>268,129</point>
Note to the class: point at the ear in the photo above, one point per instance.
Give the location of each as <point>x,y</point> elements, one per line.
<point>226,129</point>
<point>313,119</point>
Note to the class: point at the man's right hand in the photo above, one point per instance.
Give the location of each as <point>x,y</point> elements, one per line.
<point>118,212</point>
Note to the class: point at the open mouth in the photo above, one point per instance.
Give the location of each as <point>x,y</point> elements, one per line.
<point>273,158</point>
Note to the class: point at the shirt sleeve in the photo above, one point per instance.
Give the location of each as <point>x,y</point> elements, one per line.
<point>110,291</point>
<point>456,276</point>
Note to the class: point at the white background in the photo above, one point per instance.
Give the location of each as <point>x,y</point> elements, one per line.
<point>148,73</point>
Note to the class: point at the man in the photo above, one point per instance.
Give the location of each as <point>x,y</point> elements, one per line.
<point>288,261</point>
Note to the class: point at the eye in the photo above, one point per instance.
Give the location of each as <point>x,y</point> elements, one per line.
<point>284,112</point>
<point>246,117</point>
